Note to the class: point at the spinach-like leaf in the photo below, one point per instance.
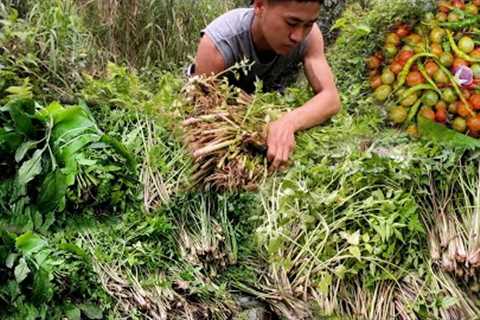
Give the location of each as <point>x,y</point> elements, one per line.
<point>29,243</point>
<point>30,169</point>
<point>21,111</point>
<point>21,271</point>
<point>53,190</point>
<point>42,290</point>
<point>445,136</point>
<point>23,149</point>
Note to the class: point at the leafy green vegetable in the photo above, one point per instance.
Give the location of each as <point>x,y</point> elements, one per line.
<point>445,136</point>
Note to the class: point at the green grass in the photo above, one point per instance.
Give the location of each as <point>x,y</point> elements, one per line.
<point>151,32</point>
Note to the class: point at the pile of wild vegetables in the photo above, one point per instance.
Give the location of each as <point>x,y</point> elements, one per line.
<point>432,69</point>
<point>98,220</point>
<point>57,156</point>
<point>226,133</point>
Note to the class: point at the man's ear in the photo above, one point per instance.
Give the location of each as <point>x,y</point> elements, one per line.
<point>259,6</point>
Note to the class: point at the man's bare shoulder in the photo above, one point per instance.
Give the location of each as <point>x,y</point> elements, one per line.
<point>208,59</point>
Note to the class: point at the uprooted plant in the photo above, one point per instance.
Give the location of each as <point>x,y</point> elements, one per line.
<point>454,222</point>
<point>225,132</point>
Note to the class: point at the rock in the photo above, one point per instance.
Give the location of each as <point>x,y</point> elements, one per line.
<point>252,309</point>
<point>253,314</point>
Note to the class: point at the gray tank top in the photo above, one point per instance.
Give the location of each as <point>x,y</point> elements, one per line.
<point>231,34</point>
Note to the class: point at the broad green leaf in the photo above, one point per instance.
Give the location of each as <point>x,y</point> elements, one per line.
<point>20,92</point>
<point>41,258</point>
<point>91,311</point>
<point>340,271</point>
<point>445,136</point>
<point>73,313</point>
<point>366,237</point>
<point>42,290</point>
<point>70,148</point>
<point>362,29</point>
<point>70,170</point>
<point>10,262</point>
<point>340,24</point>
<point>72,122</point>
<point>48,220</point>
<point>75,250</point>
<point>30,169</point>
<point>53,190</point>
<point>274,245</point>
<point>9,141</point>
<point>37,219</point>
<point>353,239</point>
<point>29,243</point>
<point>19,111</point>
<point>21,271</point>
<point>51,111</point>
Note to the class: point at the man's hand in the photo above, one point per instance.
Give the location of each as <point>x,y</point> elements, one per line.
<point>280,141</point>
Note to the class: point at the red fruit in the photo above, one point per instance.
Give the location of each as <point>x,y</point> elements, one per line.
<point>443,6</point>
<point>436,49</point>
<point>473,123</point>
<point>404,55</point>
<point>463,110</point>
<point>379,55</point>
<point>396,67</point>
<point>373,62</point>
<point>375,82</point>
<point>414,78</point>
<point>431,67</point>
<point>441,105</point>
<point>475,101</point>
<point>428,113</point>
<point>441,115</point>
<point>466,93</point>
<point>474,134</point>
<point>373,73</point>
<point>402,30</point>
<point>458,4</point>
<point>475,53</point>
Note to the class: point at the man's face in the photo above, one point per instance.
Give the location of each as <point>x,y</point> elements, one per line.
<point>286,24</point>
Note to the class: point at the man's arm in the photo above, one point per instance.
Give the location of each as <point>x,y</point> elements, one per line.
<point>208,60</point>
<point>326,103</point>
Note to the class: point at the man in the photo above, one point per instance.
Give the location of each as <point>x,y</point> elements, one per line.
<point>275,35</point>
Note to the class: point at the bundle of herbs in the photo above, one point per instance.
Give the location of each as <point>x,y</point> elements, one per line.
<point>452,215</point>
<point>181,278</point>
<point>226,134</point>
<point>337,220</point>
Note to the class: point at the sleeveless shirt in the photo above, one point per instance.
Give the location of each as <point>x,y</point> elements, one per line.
<point>232,36</point>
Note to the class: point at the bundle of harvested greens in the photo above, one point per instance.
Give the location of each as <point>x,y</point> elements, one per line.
<point>225,132</point>
<point>454,235</point>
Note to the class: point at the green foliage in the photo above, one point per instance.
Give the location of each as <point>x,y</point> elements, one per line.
<point>49,45</point>
<point>35,272</point>
<point>445,136</point>
<point>59,155</point>
<point>152,32</point>
<point>343,223</point>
